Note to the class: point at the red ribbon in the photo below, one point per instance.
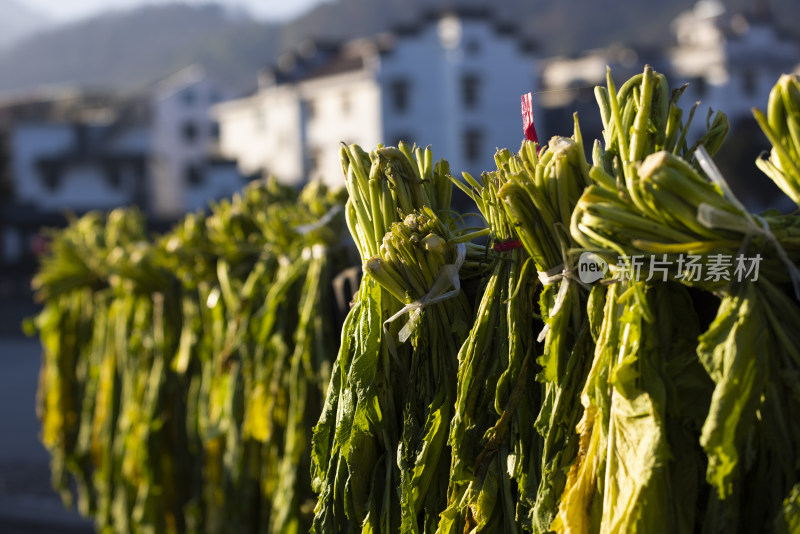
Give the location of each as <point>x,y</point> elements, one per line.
<point>527,118</point>
<point>508,245</point>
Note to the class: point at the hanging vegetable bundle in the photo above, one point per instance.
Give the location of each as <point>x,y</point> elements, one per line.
<point>380,458</point>
<point>657,390</point>
<point>181,377</point>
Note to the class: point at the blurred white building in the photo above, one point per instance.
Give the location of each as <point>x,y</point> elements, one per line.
<point>452,81</point>
<point>70,151</point>
<point>569,82</point>
<point>66,152</point>
<point>731,60</point>
<point>75,166</point>
<point>182,135</point>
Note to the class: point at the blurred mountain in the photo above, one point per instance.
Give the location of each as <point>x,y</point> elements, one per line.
<point>18,21</point>
<point>129,49</point>
<point>557,27</point>
<point>562,27</point>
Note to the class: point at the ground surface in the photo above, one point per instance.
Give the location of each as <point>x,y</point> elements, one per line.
<point>28,505</point>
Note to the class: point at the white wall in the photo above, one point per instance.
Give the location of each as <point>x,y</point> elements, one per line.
<point>346,110</point>
<point>434,61</point>
<point>419,60</point>
<point>263,133</point>
<point>175,106</point>
<point>239,132</point>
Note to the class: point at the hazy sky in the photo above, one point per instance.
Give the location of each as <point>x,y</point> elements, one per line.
<point>76,9</point>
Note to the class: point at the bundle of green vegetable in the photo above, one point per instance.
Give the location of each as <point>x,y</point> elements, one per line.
<point>540,200</point>
<point>491,437</point>
<point>505,474</point>
<point>380,458</point>
<point>781,125</point>
<point>656,390</point>
<point>181,378</point>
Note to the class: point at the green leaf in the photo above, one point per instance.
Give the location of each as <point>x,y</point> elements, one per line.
<point>734,352</point>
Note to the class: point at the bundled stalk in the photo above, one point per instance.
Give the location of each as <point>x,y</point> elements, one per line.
<point>539,197</point>
<point>781,124</point>
<point>666,217</point>
<point>180,377</point>
<point>513,479</point>
<point>491,438</point>
<point>92,264</point>
<point>380,457</point>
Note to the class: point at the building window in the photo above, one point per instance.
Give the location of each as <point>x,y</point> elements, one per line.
<point>189,132</point>
<point>193,174</point>
<point>399,94</point>
<point>113,176</point>
<point>50,178</point>
<point>188,97</point>
<point>473,47</point>
<point>346,104</point>
<point>309,109</point>
<point>313,160</point>
<point>749,82</point>
<point>700,86</point>
<point>470,89</point>
<point>473,141</point>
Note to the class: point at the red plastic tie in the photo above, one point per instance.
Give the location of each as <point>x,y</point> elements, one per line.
<point>508,245</point>
<point>527,118</point>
